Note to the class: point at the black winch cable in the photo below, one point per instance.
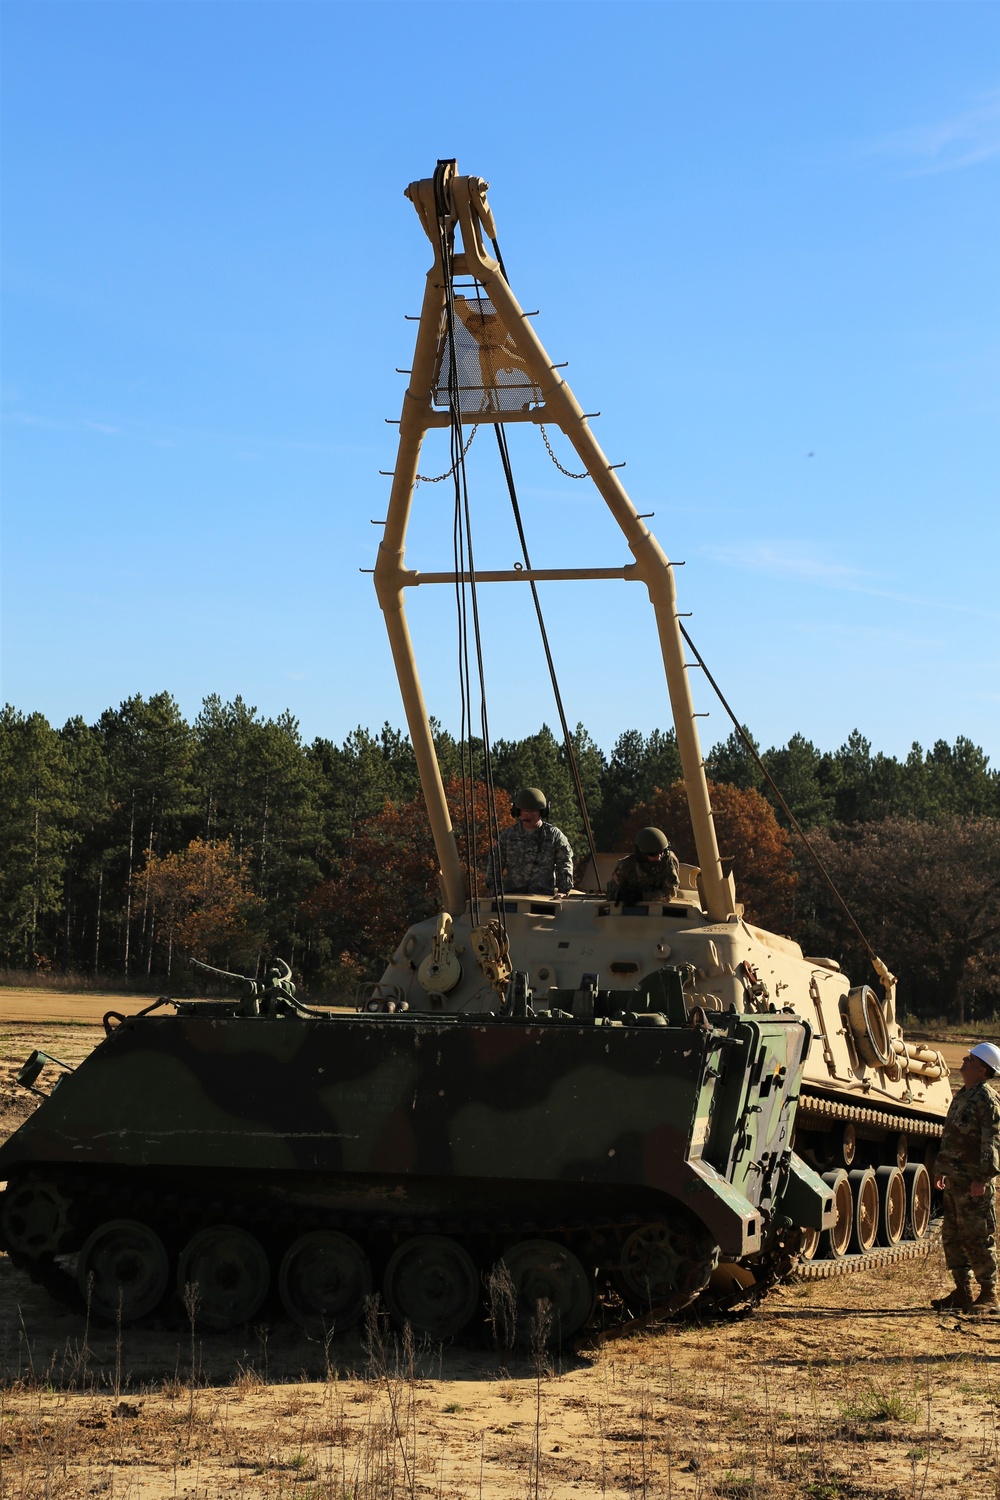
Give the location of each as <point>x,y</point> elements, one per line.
<point>465,569</point>
<point>748,742</point>
<point>445,245</point>
<point>567,738</point>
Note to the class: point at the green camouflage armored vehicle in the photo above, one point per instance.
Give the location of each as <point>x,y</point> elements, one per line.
<point>225,1151</point>
<point>871,1103</point>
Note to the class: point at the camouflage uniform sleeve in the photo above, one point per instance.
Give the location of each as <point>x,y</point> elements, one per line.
<point>989,1123</point>
<point>971,1136</point>
<point>614,885</point>
<point>563,861</point>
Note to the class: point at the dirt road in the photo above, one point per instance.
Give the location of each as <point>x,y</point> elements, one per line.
<point>57,1005</point>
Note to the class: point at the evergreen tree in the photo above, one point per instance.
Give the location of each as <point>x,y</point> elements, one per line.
<point>853,799</point>
<point>356,779</point>
<point>591,767</point>
<point>148,750</point>
<point>730,763</point>
<point>262,792</point>
<point>806,779</point>
<point>637,770</point>
<point>35,811</point>
<point>83,892</point>
<point>958,780</point>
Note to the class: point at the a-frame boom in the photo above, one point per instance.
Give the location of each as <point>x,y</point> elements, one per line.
<point>444,203</point>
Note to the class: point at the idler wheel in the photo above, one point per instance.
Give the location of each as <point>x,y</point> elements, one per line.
<point>543,1271</point>
<point>228,1269</point>
<point>431,1283</point>
<point>864,1191</point>
<point>123,1268</point>
<point>834,1242</point>
<point>34,1218</point>
<point>918,1200</point>
<point>323,1281</point>
<point>891,1205</point>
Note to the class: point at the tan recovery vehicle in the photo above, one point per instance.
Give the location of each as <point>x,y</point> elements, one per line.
<point>871,1103</point>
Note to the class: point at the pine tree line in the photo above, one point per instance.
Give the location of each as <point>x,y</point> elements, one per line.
<point>101,825</point>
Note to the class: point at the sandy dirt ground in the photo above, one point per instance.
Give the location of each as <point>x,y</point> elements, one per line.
<point>56,1005</point>
<point>835,1390</point>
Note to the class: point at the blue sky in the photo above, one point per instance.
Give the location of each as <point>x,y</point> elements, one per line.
<point>764,235</point>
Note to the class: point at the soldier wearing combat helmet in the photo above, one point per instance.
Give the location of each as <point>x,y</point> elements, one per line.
<point>650,872</point>
<point>966,1168</point>
<point>534,857</point>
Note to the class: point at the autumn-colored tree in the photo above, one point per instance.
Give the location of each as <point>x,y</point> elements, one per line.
<point>203,903</point>
<point>389,878</point>
<point>927,896</point>
<point>751,841</point>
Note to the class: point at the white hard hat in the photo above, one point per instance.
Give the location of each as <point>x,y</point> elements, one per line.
<point>988,1054</point>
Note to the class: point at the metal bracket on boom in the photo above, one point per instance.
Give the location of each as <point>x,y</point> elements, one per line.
<point>493,955</point>
<point>441,970</point>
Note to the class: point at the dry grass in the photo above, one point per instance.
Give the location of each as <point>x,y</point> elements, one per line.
<point>831,1391</point>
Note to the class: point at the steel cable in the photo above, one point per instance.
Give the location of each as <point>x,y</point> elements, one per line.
<point>465,571</point>
<point>748,742</point>
<point>567,738</point>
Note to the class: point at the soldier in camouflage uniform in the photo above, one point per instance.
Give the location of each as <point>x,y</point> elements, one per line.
<point>650,873</point>
<point>534,857</point>
<point>967,1164</point>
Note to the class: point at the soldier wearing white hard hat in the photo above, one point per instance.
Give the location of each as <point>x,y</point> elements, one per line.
<point>967,1166</point>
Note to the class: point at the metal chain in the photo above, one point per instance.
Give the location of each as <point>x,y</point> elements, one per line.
<point>545,440</point>
<point>437,478</point>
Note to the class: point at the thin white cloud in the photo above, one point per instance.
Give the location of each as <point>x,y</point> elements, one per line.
<point>964,140</point>
<point>145,433</point>
<point>789,560</point>
<point>796,560</point>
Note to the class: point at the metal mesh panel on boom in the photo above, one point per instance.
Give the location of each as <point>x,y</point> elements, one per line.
<point>492,375</point>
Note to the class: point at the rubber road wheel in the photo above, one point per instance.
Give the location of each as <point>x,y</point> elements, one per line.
<point>123,1268</point>
<point>227,1271</point>
<point>323,1281</point>
<point>918,1199</point>
<point>891,1205</point>
<point>834,1242</point>
<point>543,1271</point>
<point>431,1283</point>
<point>864,1190</point>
